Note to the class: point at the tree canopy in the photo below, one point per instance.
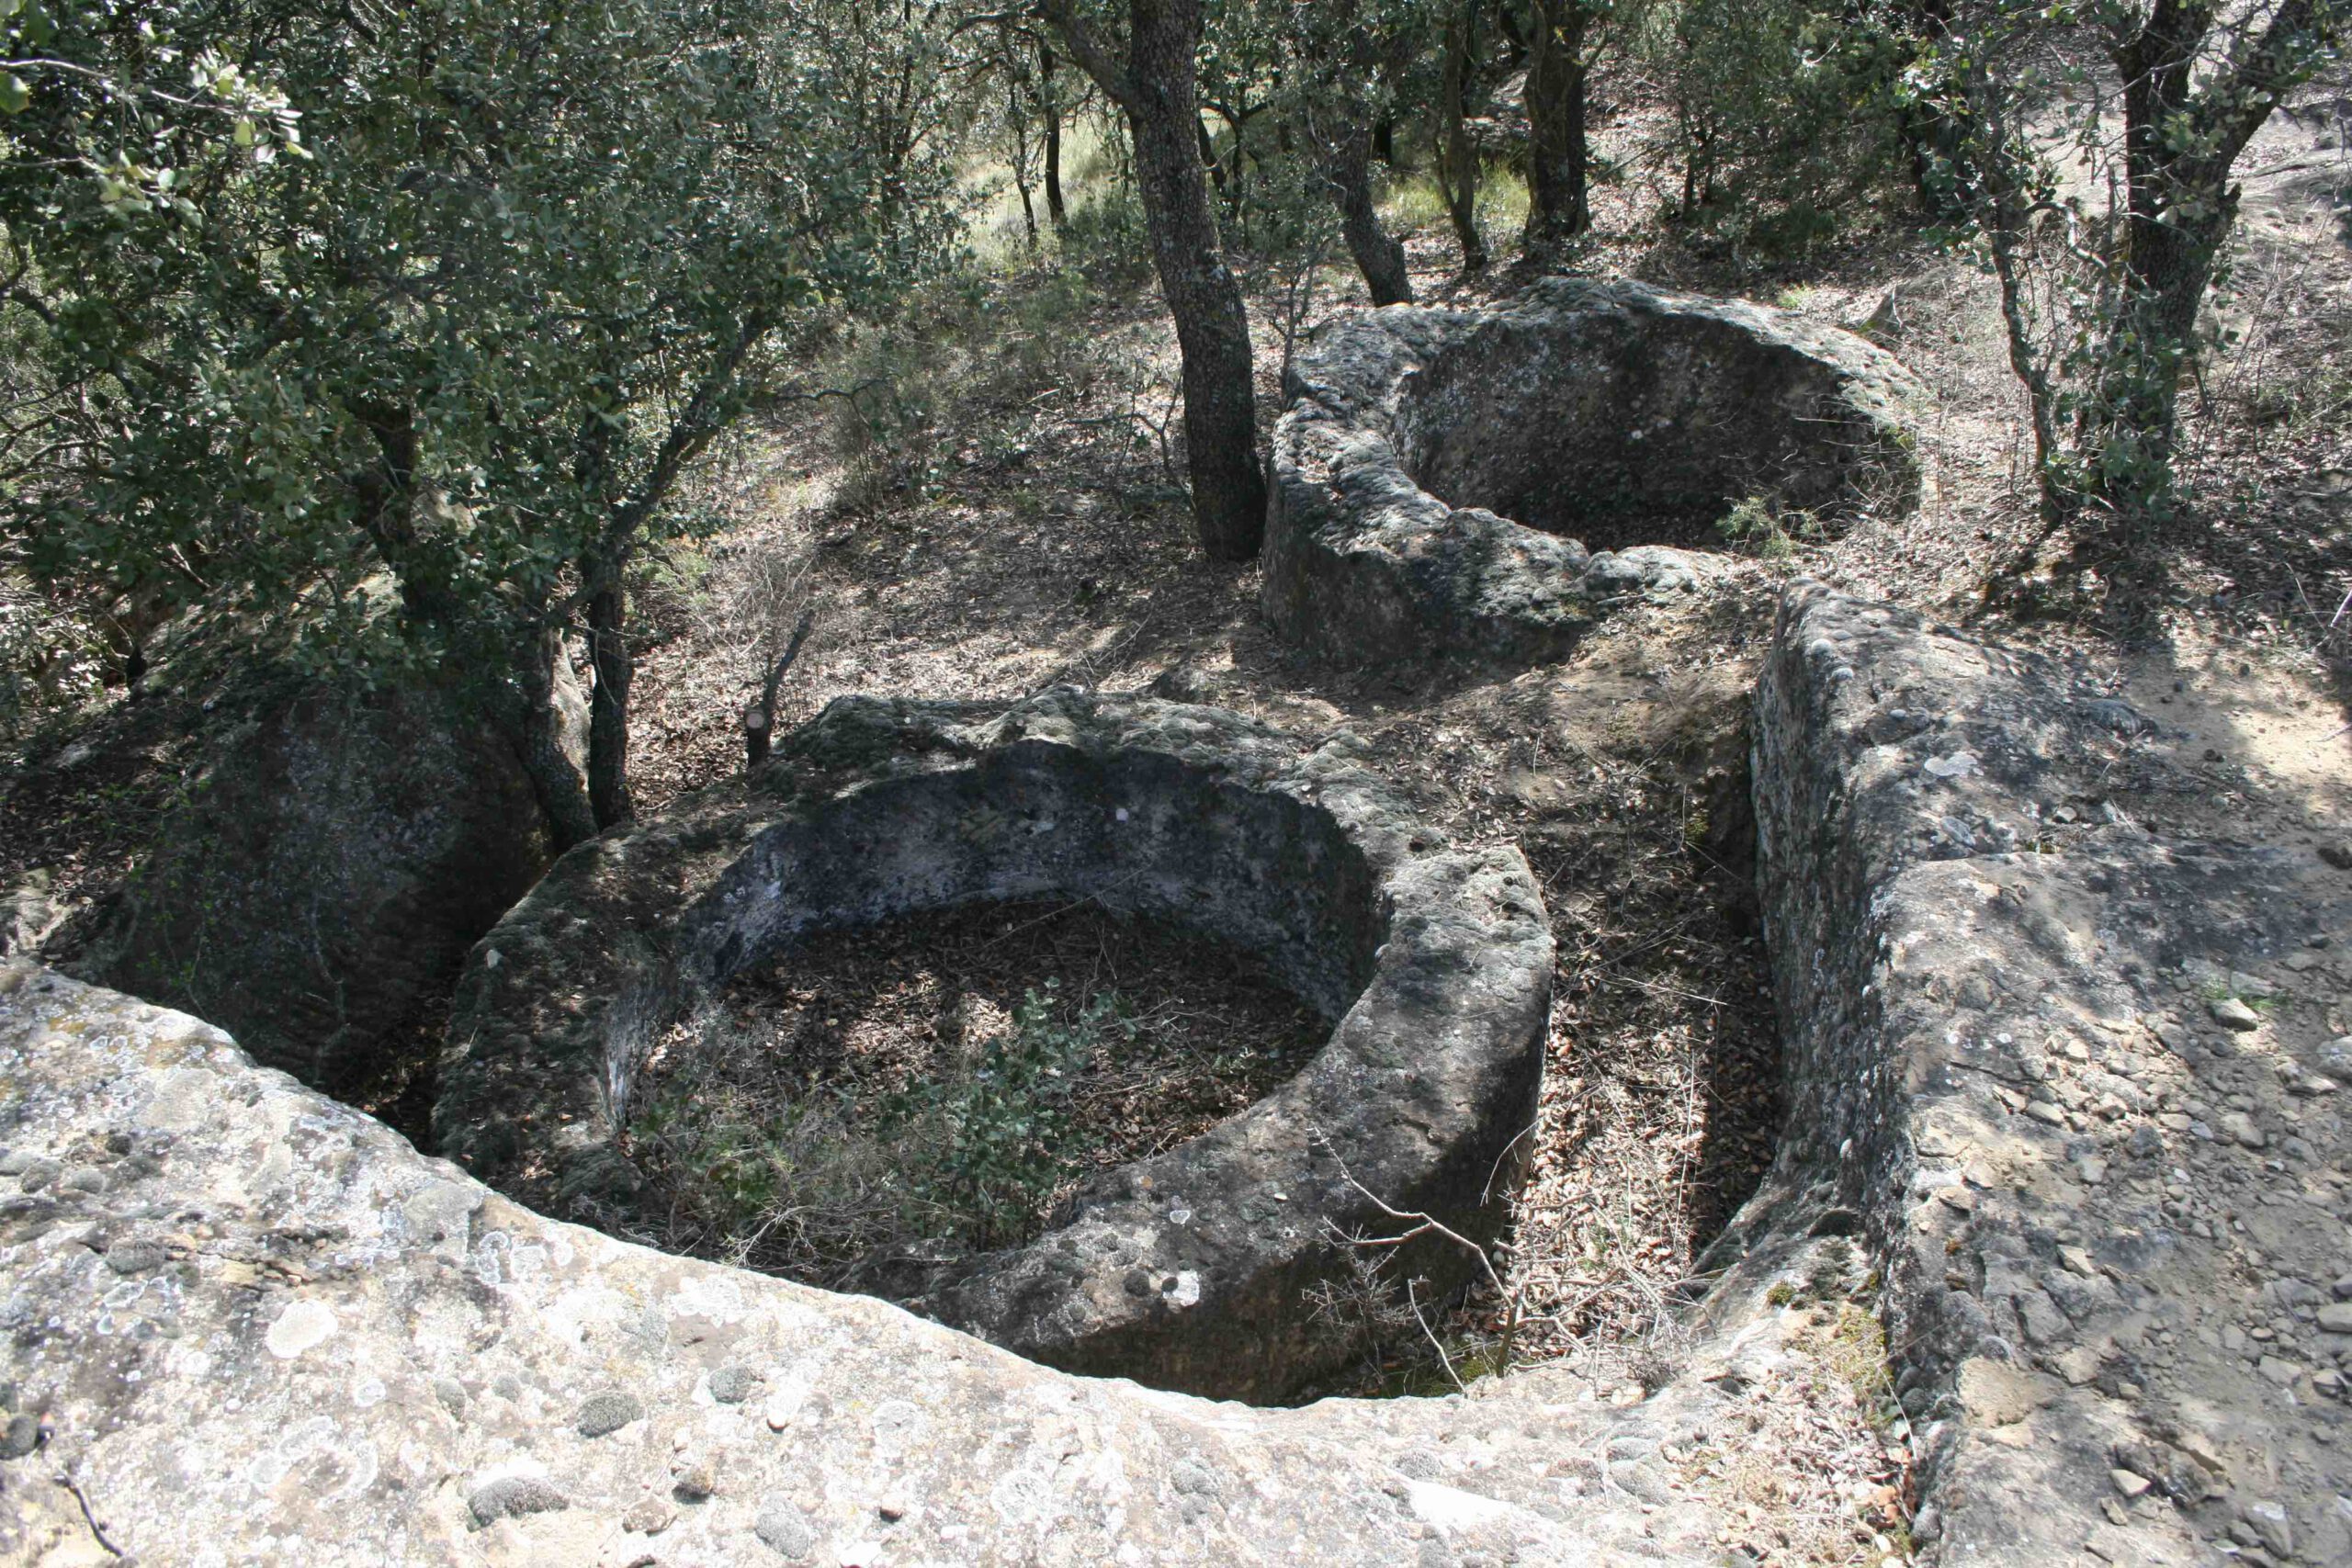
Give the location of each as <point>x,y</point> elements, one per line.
<point>426,303</point>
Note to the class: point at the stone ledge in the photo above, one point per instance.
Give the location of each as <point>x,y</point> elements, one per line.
<point>1971,955</point>
<point>1432,964</point>
<point>1410,431</point>
<point>252,1325</point>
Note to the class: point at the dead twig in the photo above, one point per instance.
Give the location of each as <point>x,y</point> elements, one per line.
<point>1419,1223</point>
<point>97,1531</point>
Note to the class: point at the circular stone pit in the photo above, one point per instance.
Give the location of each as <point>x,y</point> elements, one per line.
<point>1187,1270</point>
<point>1440,477</point>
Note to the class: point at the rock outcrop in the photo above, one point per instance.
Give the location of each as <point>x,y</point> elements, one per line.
<point>2007,1051</point>
<point>318,888</point>
<point>2107,1205</point>
<point>1190,1269</point>
<point>244,1323</point>
<point>1488,484</point>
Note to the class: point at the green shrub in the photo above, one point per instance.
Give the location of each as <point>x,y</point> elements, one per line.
<point>823,1189</point>
<point>1002,1134</point>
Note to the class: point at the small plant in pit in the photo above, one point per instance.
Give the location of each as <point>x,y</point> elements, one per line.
<point>1772,530</point>
<point>1005,1135</point>
<point>1383,1311</point>
<point>800,1190</point>
<point>824,1190</point>
<point>1385,1319</point>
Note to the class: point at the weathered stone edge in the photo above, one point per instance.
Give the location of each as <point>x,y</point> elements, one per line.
<point>1363,563</point>
<point>1924,937</point>
<point>1425,1112</point>
<point>272,1331</point>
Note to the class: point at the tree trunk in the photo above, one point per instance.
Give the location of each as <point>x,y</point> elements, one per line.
<point>615,666</point>
<point>1457,156</point>
<point>1930,136</point>
<point>1016,113</point>
<point>2179,144</point>
<point>386,493</point>
<point>1379,254</point>
<point>1159,92</point>
<point>1051,109</point>
<point>571,818</point>
<point>1558,207</point>
<point>2168,257</point>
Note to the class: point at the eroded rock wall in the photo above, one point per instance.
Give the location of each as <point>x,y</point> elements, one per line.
<point>2002,1059</point>
<point>318,888</point>
<point>1189,1270</point>
<point>1488,485</point>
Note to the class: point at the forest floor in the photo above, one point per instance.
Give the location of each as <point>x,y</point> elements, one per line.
<point>1012,520</point>
<point>998,510</point>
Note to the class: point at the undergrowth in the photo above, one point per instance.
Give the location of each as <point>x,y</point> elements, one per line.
<point>970,1157</point>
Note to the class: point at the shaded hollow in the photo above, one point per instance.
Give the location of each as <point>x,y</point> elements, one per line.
<point>880,1101</point>
<point>1490,484</point>
<point>1623,427</point>
<point>1427,967</point>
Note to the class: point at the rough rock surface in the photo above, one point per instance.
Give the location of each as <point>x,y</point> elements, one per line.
<point>246,1324</point>
<point>328,870</point>
<point>249,1325</point>
<point>1187,1269</point>
<point>1439,475</point>
<point>2112,1224</point>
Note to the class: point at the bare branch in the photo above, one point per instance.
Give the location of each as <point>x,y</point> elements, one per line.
<point>1081,43</point>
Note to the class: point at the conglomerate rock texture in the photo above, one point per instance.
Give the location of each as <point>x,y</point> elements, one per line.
<point>247,1325</point>
<point>1487,483</point>
<point>2030,1081</point>
<point>1189,1270</point>
<point>2021,1067</point>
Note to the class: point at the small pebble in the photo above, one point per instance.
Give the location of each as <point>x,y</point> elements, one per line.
<point>607,1412</point>
<point>782,1530</point>
<point>511,1496</point>
<point>135,1256</point>
<point>20,1436</point>
<point>732,1385</point>
<point>2232,1013</point>
<point>649,1516</point>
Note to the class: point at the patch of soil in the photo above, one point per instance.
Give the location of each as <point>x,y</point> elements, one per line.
<point>992,1057</point>
<point>80,801</point>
